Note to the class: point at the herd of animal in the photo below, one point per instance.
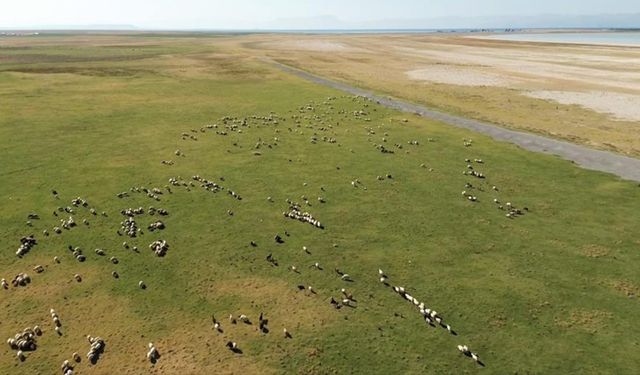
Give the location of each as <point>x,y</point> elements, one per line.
<point>26,340</point>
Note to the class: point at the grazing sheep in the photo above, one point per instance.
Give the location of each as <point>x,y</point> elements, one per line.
<point>233,346</point>
<point>67,368</point>
<point>159,247</point>
<point>22,342</point>
<point>142,285</point>
<point>346,294</point>
<point>335,303</point>
<point>263,323</point>
<point>296,214</point>
<point>311,290</point>
<point>216,324</point>
<point>272,260</point>
<point>153,355</point>
<point>287,335</point>
<point>21,279</point>
<point>347,302</point>
<point>96,348</point>
<point>158,225</point>
<point>465,350</point>
<point>26,244</point>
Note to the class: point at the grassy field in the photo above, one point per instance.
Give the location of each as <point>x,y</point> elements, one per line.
<point>553,291</point>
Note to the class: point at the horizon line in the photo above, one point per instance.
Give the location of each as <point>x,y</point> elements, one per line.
<point>146,29</point>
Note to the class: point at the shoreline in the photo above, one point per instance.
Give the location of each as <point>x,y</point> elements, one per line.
<point>538,37</point>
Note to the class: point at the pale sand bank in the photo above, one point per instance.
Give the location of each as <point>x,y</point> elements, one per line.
<point>314,45</point>
<point>624,107</point>
<point>459,75</point>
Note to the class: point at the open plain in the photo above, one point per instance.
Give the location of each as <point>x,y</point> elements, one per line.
<point>269,189</point>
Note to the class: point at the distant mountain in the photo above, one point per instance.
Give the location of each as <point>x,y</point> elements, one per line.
<point>488,22</point>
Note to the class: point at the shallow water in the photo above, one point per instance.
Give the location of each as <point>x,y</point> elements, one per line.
<point>607,38</point>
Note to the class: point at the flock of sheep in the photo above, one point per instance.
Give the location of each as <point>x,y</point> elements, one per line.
<point>305,217</point>
<point>431,317</point>
<point>512,211</point>
<point>26,340</point>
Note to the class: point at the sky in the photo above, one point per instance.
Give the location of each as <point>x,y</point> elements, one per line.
<point>258,14</point>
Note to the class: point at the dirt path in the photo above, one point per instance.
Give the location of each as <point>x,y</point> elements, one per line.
<point>622,166</point>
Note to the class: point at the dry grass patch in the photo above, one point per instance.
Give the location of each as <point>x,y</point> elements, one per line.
<point>627,287</point>
<point>595,251</point>
<point>589,321</point>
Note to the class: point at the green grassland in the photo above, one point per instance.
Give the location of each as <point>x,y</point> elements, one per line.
<point>553,291</point>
